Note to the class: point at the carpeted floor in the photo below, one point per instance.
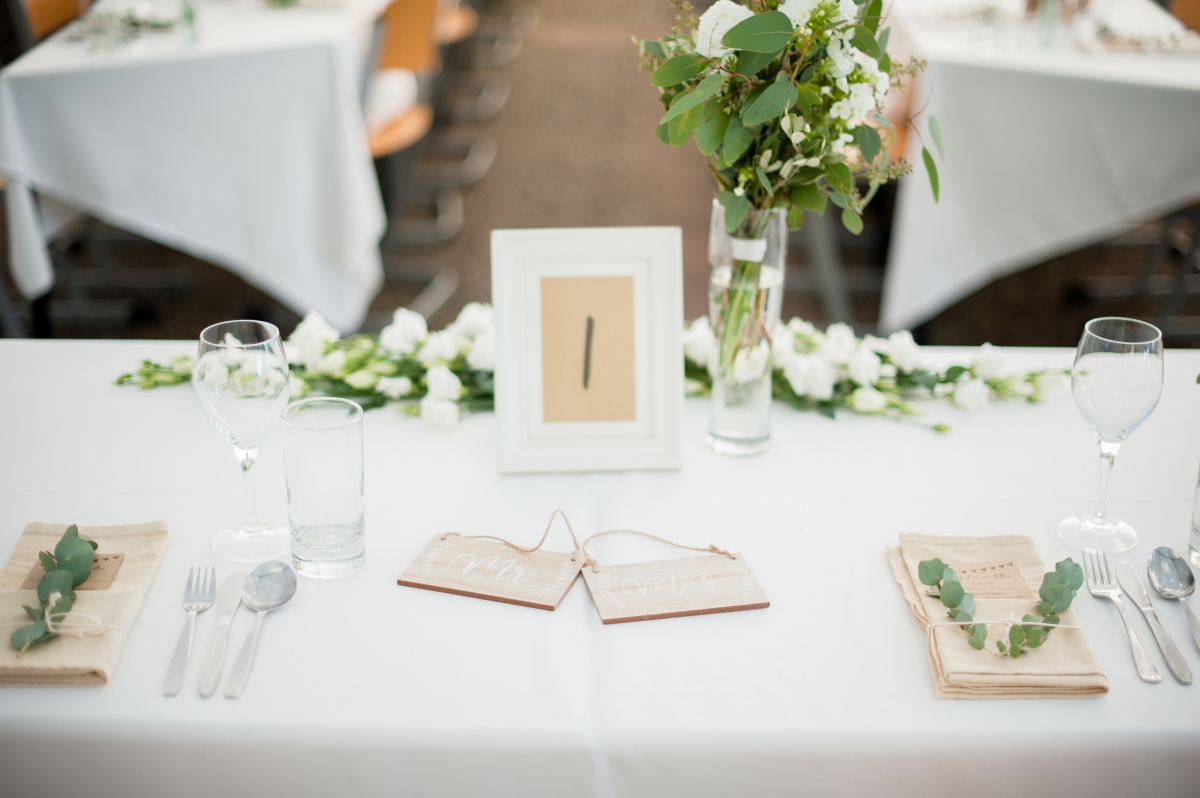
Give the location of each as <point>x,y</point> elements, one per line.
<point>577,149</point>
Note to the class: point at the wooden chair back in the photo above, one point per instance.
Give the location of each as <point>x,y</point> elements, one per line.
<point>409,40</point>
<point>34,20</point>
<point>1188,12</point>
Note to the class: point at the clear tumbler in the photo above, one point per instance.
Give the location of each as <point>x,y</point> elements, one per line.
<point>323,460</point>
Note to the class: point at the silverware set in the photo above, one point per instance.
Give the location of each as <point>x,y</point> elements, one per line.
<point>268,586</point>
<point>1169,580</point>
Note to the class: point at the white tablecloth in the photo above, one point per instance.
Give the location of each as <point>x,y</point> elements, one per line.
<point>362,687</point>
<point>1046,152</point>
<point>247,148</point>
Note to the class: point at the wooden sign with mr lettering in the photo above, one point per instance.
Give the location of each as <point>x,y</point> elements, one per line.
<point>489,569</point>
<point>645,591</point>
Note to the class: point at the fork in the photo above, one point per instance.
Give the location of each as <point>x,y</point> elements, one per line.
<point>198,595</point>
<point>1101,583</point>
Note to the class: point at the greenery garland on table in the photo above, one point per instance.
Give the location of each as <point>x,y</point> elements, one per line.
<point>1057,592</point>
<point>66,569</point>
<point>439,375</point>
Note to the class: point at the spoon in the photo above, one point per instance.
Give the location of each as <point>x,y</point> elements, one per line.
<point>1171,577</point>
<point>268,586</point>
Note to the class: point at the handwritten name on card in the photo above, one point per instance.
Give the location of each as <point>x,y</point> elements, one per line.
<point>993,580</point>
<point>646,591</point>
<point>488,569</point>
<point>104,570</point>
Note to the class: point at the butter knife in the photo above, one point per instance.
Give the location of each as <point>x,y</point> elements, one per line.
<point>1129,580</point>
<point>228,600</point>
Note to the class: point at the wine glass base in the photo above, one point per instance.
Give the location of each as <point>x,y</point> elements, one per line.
<point>1084,532</point>
<point>262,544</point>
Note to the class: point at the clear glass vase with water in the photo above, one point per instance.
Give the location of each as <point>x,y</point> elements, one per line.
<point>745,293</point>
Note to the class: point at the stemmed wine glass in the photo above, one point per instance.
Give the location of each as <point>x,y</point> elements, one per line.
<point>1117,381</point>
<point>241,378</point>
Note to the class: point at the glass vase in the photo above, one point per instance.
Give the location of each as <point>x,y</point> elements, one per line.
<point>745,292</point>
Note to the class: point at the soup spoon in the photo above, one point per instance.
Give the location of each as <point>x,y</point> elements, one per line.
<point>1172,578</point>
<point>268,586</point>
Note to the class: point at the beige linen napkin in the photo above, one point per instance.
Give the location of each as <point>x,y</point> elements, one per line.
<point>1063,667</point>
<point>68,660</point>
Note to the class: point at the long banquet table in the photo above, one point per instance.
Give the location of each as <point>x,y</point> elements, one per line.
<point>362,687</point>
<point>246,147</point>
<point>1046,152</point>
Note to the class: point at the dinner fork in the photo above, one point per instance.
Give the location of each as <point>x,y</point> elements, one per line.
<point>1101,582</point>
<point>198,595</point>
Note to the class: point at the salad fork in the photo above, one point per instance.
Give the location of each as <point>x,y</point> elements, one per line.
<point>198,595</point>
<point>1102,583</point>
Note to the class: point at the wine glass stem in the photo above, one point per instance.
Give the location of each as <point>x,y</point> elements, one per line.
<point>247,459</point>
<point>1108,455</point>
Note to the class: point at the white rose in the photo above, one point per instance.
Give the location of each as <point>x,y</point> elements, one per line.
<point>444,345</point>
<point>440,413</point>
<point>751,364</point>
<point>801,327</point>
<point>988,364</point>
<point>970,395</point>
<point>297,388</point>
<point>332,364</point>
<point>868,400</point>
<point>864,366</point>
<point>404,333</point>
<point>394,387</point>
<point>783,346</point>
<point>903,351</point>
<point>698,341</point>
<point>838,344</point>
<point>847,9</point>
<point>812,376</point>
<point>474,319</point>
<point>362,379</point>
<point>308,342</point>
<point>798,11</point>
<point>720,17</point>
<point>210,370</point>
<point>482,355</point>
<point>440,383</point>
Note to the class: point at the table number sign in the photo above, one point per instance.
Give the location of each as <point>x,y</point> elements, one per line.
<point>1000,579</point>
<point>491,568</point>
<point>104,570</point>
<point>647,591</point>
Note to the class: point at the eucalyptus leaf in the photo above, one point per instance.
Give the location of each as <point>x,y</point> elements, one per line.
<point>738,139</point>
<point>71,532</point>
<point>74,556</point>
<point>869,143</point>
<point>764,180</point>
<point>711,132</point>
<point>807,96</point>
<point>872,16</point>
<point>1016,635</point>
<point>735,211</point>
<point>678,69</point>
<point>654,48</point>
<point>761,33</point>
<point>948,575</point>
<point>838,175</point>
<point>1049,581</point>
<point>864,40</point>
<point>795,218</point>
<point>883,40</point>
<point>1071,573</point>
<point>48,562</point>
<point>935,133</point>
<point>26,636</point>
<point>952,593</point>
<point>976,643</point>
<point>928,571</point>
<point>968,603</point>
<point>963,617</point>
<point>751,63</point>
<point>811,198</point>
<point>882,120</point>
<point>663,134</point>
<point>32,612</point>
<point>688,100</point>
<point>55,582</point>
<point>836,198</point>
<point>680,128</point>
<point>931,169</point>
<point>852,221</point>
<point>774,102</point>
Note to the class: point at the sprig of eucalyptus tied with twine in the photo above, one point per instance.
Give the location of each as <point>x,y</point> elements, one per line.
<point>68,567</point>
<point>1057,592</point>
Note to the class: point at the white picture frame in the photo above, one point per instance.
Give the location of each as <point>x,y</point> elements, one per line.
<point>646,430</point>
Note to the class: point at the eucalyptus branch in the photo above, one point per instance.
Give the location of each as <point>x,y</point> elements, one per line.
<point>68,567</point>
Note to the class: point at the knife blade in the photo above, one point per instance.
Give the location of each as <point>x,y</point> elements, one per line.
<point>1129,580</point>
<point>228,600</point>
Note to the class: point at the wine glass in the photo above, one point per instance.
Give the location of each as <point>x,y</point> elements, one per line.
<point>1117,381</point>
<point>241,378</point>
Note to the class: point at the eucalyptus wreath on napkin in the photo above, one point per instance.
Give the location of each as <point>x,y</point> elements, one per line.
<point>67,567</point>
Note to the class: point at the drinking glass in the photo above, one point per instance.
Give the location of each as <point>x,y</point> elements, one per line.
<point>323,459</point>
<point>241,378</point>
<point>1117,380</point>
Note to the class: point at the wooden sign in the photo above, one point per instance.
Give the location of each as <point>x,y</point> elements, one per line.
<point>104,570</point>
<point>488,569</point>
<point>646,591</point>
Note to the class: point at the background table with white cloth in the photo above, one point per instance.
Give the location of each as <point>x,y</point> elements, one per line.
<point>363,687</point>
<point>246,148</point>
<point>1046,152</point>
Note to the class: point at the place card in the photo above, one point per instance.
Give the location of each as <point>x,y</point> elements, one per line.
<point>104,569</point>
<point>488,569</point>
<point>647,591</point>
<point>993,580</point>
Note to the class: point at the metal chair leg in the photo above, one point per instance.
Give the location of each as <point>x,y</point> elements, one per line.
<point>10,323</point>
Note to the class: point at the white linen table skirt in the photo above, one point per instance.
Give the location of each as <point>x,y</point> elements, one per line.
<point>362,687</point>
<point>247,148</point>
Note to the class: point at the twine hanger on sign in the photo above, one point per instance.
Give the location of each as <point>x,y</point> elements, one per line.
<point>589,560</point>
<point>524,550</point>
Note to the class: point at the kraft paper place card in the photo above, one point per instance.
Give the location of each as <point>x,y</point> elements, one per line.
<point>104,570</point>
<point>646,591</point>
<point>491,570</point>
<point>999,579</point>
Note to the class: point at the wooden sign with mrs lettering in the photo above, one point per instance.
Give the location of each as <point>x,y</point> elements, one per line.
<point>645,591</point>
<point>489,569</point>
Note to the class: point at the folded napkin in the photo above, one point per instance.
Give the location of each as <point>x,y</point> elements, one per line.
<point>1063,667</point>
<point>70,660</point>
